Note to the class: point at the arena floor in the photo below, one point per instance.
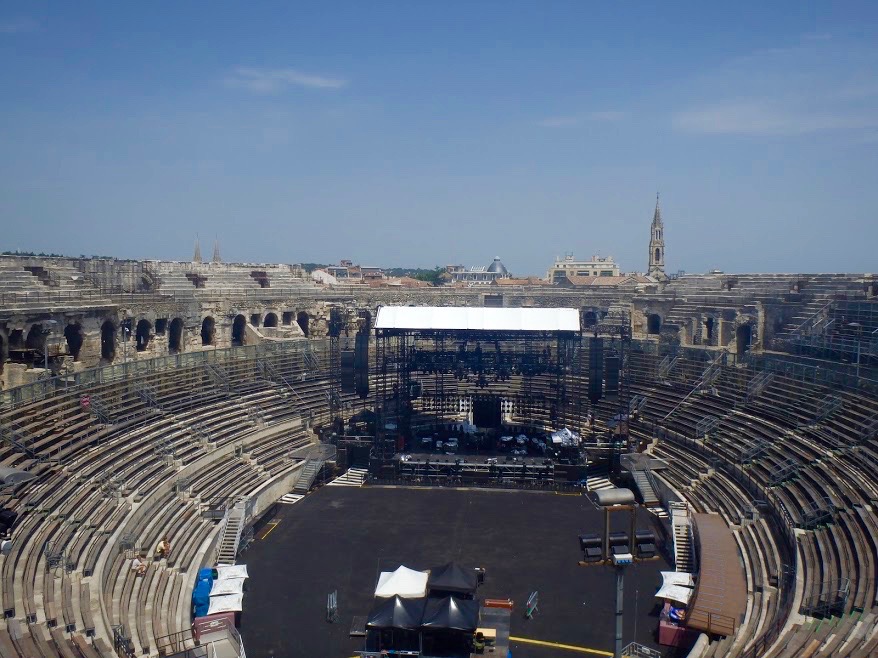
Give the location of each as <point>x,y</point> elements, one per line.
<point>339,538</point>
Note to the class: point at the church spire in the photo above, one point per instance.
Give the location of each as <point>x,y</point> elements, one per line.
<point>216,252</point>
<point>196,257</point>
<point>657,244</point>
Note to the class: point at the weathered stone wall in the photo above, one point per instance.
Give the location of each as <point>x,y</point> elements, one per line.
<point>695,311</point>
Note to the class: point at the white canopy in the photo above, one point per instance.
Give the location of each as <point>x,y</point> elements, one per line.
<point>404,582</point>
<point>233,571</point>
<point>676,586</point>
<point>226,603</point>
<point>227,586</point>
<point>475,318</point>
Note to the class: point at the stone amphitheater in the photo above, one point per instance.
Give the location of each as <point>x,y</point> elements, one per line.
<point>123,381</point>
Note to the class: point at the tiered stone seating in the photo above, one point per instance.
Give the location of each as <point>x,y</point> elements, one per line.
<point>99,484</point>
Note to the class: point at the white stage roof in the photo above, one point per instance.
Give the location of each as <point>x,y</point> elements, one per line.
<point>474,318</point>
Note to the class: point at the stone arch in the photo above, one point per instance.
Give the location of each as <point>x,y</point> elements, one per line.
<point>73,335</point>
<point>743,337</point>
<point>709,327</point>
<point>35,338</point>
<point>142,335</point>
<point>108,341</point>
<point>589,318</point>
<point>658,255</point>
<point>270,320</point>
<point>302,320</point>
<point>239,331</point>
<point>653,324</point>
<point>208,331</point>
<point>175,336</point>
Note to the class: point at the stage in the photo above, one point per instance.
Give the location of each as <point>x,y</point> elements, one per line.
<point>339,538</point>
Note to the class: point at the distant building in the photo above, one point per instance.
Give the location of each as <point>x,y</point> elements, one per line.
<point>569,266</point>
<point>657,245</point>
<point>478,276</point>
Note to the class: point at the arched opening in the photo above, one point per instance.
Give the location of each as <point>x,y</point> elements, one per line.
<point>2,353</point>
<point>108,341</point>
<point>254,319</point>
<point>270,320</point>
<point>744,335</point>
<point>589,319</point>
<point>239,331</point>
<point>35,338</point>
<point>16,339</point>
<point>302,321</point>
<point>288,317</point>
<point>708,330</point>
<point>73,335</point>
<point>142,334</point>
<point>653,324</point>
<point>658,255</point>
<point>175,336</point>
<point>208,331</point>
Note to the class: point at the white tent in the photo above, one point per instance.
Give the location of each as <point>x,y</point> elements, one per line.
<point>404,582</point>
<point>227,586</point>
<point>226,603</point>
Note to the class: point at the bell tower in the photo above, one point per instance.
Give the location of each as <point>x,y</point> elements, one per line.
<point>657,245</point>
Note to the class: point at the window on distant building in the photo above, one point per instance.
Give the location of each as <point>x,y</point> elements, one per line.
<point>606,272</point>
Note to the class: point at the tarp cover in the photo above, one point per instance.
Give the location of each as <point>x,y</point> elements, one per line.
<point>227,603</point>
<point>234,571</point>
<point>676,586</point>
<point>452,613</point>
<point>227,586</point>
<point>675,593</point>
<point>678,578</point>
<point>397,612</point>
<point>10,476</point>
<point>201,598</point>
<point>404,582</point>
<point>452,577</point>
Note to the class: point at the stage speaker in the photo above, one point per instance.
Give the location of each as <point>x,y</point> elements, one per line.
<point>611,375</point>
<point>486,412</point>
<point>361,364</point>
<point>336,322</point>
<point>596,370</point>
<point>348,382</point>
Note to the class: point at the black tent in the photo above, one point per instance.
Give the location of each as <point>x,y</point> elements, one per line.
<point>397,612</point>
<point>452,577</point>
<point>452,613</point>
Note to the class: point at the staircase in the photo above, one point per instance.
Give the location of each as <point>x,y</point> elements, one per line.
<point>684,558</point>
<point>353,477</point>
<point>645,488</point>
<point>309,474</point>
<point>227,550</point>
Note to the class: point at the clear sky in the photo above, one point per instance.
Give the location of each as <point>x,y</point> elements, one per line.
<point>424,133</point>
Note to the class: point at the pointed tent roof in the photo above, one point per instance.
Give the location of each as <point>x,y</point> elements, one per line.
<point>397,612</point>
<point>452,613</point>
<point>196,257</point>
<point>452,577</point>
<point>216,252</point>
<point>404,582</point>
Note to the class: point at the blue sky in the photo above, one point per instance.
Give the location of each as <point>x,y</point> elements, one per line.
<point>415,133</point>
